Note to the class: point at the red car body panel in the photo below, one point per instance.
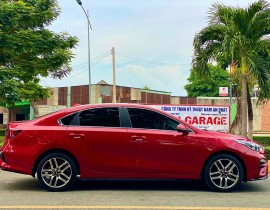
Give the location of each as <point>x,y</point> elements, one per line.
<point>124,152</point>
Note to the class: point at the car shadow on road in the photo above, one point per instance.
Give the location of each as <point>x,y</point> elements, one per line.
<point>25,184</point>
<point>154,185</point>
<point>123,184</point>
<point>30,184</point>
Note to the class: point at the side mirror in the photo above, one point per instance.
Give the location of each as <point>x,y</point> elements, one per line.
<point>182,129</point>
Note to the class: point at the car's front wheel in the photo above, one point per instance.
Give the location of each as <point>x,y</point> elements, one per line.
<point>223,173</point>
<point>56,172</point>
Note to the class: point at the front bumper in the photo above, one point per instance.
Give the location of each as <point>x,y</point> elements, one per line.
<point>2,158</point>
<point>263,172</point>
<point>262,178</point>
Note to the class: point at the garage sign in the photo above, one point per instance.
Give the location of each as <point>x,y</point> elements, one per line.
<point>215,118</point>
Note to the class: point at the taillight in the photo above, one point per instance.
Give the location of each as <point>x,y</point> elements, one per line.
<point>12,133</point>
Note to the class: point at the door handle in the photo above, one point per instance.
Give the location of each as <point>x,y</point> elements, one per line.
<point>138,138</point>
<point>76,135</point>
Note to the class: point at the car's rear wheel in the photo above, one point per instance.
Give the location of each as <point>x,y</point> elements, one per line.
<point>223,173</point>
<point>56,172</point>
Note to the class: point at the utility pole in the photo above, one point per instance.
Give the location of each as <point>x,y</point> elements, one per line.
<point>230,94</point>
<point>89,64</point>
<point>88,39</point>
<point>114,86</point>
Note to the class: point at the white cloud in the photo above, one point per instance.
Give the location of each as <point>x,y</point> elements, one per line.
<point>163,78</point>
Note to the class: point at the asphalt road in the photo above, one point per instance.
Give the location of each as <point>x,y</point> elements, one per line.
<point>18,190</point>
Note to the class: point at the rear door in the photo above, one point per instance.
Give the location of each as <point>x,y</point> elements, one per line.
<point>101,142</point>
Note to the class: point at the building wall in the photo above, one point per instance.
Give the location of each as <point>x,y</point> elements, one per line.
<point>155,98</point>
<point>183,100</point>
<point>4,115</point>
<point>103,94</point>
<point>80,94</point>
<point>62,95</point>
<point>53,99</point>
<point>19,113</point>
<point>47,109</point>
<point>96,94</point>
<point>257,116</point>
<point>266,116</point>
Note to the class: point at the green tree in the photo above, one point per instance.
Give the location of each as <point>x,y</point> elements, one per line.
<point>201,86</point>
<point>240,35</point>
<point>146,87</point>
<point>28,49</point>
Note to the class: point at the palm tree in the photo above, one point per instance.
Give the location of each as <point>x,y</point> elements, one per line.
<point>241,35</point>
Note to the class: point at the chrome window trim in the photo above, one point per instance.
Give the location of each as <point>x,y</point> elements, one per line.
<point>79,111</point>
<point>157,111</point>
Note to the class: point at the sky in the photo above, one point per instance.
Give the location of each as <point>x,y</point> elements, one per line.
<point>153,41</point>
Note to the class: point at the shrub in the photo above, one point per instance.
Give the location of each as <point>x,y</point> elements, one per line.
<point>267,150</point>
<point>264,140</point>
<point>2,132</point>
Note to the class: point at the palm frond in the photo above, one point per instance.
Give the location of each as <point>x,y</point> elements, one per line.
<point>258,15</point>
<point>263,45</point>
<point>219,14</point>
<point>259,67</point>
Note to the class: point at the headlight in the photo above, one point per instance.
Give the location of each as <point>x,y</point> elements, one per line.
<point>251,145</point>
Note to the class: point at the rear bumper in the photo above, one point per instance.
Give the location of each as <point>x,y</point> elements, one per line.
<point>7,167</point>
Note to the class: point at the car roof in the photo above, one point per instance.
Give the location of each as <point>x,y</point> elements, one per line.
<point>54,117</point>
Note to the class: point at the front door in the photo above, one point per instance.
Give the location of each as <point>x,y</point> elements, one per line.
<point>156,147</point>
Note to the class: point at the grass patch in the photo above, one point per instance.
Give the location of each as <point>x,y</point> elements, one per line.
<point>1,140</point>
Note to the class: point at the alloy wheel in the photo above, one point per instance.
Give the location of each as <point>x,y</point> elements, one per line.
<point>224,173</point>
<point>57,172</point>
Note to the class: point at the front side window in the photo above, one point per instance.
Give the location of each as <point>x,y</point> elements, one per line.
<point>141,118</point>
<point>107,117</point>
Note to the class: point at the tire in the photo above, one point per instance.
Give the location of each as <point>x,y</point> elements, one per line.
<point>56,172</point>
<point>223,173</point>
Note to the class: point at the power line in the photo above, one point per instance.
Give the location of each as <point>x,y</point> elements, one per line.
<point>92,66</point>
<point>105,56</point>
<point>94,60</point>
<point>147,61</point>
<point>101,56</point>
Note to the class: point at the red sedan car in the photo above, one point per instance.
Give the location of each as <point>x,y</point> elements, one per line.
<point>127,141</point>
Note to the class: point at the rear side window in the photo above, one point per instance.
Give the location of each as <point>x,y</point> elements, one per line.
<point>141,118</point>
<point>68,119</point>
<point>106,117</point>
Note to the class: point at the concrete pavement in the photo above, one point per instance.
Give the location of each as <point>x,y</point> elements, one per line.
<point>22,191</point>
